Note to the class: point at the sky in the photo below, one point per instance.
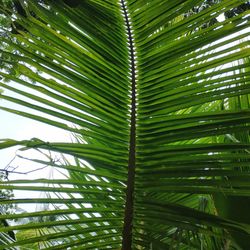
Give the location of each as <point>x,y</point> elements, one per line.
<point>16,127</point>
<point>19,128</point>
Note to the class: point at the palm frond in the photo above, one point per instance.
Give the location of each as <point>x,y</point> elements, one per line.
<point>159,106</point>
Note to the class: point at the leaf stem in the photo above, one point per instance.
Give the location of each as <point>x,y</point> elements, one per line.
<point>128,217</point>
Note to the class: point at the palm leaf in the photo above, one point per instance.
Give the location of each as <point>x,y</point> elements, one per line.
<point>150,96</point>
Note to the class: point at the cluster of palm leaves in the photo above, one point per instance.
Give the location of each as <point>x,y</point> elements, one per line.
<point>159,107</point>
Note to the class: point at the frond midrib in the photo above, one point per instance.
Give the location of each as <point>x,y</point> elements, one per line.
<point>128,215</point>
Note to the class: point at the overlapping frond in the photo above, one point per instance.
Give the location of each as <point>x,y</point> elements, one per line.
<point>109,71</point>
<point>73,73</point>
<point>185,73</point>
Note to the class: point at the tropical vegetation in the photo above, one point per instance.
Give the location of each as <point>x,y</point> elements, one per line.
<point>156,95</point>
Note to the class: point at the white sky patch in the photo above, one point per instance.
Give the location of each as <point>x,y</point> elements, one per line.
<point>94,178</point>
<point>20,128</point>
<point>87,205</point>
<point>221,18</point>
<point>76,195</point>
